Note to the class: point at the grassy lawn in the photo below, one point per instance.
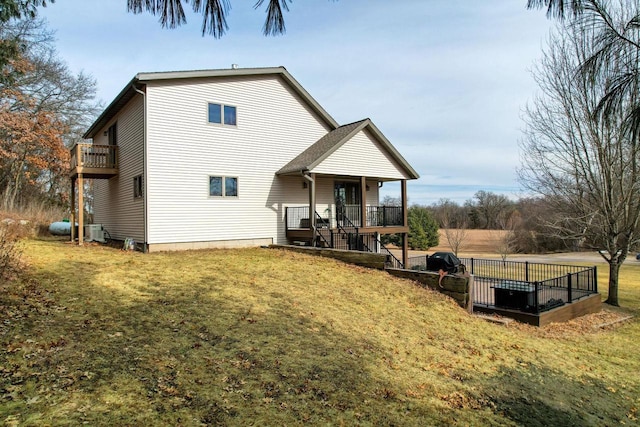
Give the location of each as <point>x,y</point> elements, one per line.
<point>98,336</point>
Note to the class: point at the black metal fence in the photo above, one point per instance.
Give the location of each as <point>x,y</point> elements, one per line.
<point>517,270</point>
<point>384,216</point>
<point>524,286</point>
<point>351,241</point>
<point>297,217</point>
<point>392,260</point>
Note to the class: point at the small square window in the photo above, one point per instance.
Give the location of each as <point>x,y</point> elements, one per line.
<point>223,186</point>
<point>231,187</point>
<point>229,115</point>
<point>222,114</point>
<point>215,186</point>
<point>215,113</point>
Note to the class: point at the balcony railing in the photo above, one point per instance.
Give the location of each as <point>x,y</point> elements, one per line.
<point>346,216</point>
<point>384,216</point>
<point>92,156</point>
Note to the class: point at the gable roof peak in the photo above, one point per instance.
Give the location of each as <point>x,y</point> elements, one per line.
<point>329,143</point>
<point>130,90</point>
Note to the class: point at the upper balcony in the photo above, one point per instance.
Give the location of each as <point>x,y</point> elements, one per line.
<point>94,161</point>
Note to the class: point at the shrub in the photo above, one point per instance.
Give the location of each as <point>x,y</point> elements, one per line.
<point>9,251</point>
<point>423,229</point>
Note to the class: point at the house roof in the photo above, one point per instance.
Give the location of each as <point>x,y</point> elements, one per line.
<point>141,79</point>
<point>325,146</point>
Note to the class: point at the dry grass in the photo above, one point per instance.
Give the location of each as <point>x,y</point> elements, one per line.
<point>238,337</point>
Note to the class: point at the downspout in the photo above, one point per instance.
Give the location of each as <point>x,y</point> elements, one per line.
<point>144,167</point>
<point>312,204</point>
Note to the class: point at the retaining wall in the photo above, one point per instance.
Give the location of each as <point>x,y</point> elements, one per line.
<point>456,286</point>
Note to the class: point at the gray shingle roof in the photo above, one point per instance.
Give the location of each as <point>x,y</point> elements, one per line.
<point>321,149</point>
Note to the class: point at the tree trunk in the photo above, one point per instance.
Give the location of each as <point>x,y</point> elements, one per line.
<point>614,271</point>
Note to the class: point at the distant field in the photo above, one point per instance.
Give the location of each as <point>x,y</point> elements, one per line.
<point>476,241</point>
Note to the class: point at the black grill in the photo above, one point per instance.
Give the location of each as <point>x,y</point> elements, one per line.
<point>445,261</point>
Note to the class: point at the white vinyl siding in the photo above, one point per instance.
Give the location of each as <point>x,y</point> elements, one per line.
<point>362,155</point>
<point>184,150</point>
<point>115,206</point>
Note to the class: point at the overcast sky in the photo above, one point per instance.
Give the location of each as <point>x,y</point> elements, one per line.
<point>445,80</point>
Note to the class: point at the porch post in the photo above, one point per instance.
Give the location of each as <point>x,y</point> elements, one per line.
<point>405,222</point>
<point>312,209</point>
<point>80,210</point>
<point>73,210</point>
<point>363,201</point>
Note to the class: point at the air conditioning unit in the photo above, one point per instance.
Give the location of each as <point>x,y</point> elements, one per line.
<point>94,233</point>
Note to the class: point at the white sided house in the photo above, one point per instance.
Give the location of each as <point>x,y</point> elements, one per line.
<point>235,157</point>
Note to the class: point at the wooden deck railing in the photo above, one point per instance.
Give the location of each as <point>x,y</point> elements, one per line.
<point>94,156</point>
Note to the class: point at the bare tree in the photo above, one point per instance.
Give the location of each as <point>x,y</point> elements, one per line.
<point>453,221</point>
<point>490,208</point>
<point>43,110</point>
<point>503,243</point>
<point>617,40</point>
<point>584,163</point>
<point>504,238</point>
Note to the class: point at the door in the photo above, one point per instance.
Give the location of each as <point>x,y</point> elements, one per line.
<point>113,141</point>
<point>347,199</point>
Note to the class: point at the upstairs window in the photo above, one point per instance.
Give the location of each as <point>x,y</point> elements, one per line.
<point>222,114</point>
<point>223,186</point>
<point>112,134</point>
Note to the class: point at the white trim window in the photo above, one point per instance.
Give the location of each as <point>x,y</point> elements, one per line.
<point>223,186</point>
<point>221,114</point>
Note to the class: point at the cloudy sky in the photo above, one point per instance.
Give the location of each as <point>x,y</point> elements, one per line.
<point>444,80</point>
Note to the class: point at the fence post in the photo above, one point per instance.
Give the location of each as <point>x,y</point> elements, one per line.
<point>595,279</point>
<point>535,297</point>
<point>569,296</point>
<point>526,271</point>
<point>472,271</point>
<point>286,218</point>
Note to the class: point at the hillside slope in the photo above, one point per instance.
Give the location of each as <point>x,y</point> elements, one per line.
<point>266,337</point>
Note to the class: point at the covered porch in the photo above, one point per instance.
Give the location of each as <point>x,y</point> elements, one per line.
<point>342,173</point>
<point>344,213</point>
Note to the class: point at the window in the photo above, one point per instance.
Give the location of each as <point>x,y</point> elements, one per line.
<point>231,187</point>
<point>229,115</point>
<point>222,114</point>
<point>215,113</point>
<point>223,186</point>
<point>137,186</point>
<point>112,134</point>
